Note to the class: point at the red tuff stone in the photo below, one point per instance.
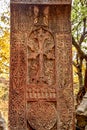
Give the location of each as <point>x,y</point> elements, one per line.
<point>40,93</point>
<point>42,115</point>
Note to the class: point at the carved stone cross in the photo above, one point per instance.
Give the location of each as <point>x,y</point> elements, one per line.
<point>40,93</point>
<point>41,35</point>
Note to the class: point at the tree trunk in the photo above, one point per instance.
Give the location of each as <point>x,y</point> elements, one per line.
<point>85,78</point>
<point>80,77</point>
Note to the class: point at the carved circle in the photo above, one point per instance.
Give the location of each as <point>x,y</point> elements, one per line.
<point>42,115</point>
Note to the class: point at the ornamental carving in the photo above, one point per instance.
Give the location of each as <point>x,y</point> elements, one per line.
<point>40,93</point>
<point>41,57</point>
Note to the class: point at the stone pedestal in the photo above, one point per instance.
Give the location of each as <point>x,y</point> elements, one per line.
<point>41,94</point>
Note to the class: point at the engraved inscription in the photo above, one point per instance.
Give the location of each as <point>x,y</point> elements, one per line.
<point>41,57</point>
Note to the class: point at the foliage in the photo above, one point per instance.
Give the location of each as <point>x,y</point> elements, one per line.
<point>4,39</point>
<point>79,17</point>
<point>79,40</point>
<point>3,92</point>
<point>4,99</point>
<point>4,54</point>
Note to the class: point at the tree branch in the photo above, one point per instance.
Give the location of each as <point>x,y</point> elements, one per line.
<point>84,31</point>
<point>80,52</point>
<point>82,37</point>
<point>75,65</point>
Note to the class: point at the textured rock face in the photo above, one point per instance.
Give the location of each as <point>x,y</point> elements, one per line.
<point>82,108</point>
<point>50,2</point>
<point>82,113</point>
<point>41,94</point>
<point>42,115</point>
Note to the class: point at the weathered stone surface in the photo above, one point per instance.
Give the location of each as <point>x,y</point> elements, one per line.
<point>42,115</point>
<point>50,2</point>
<point>41,94</point>
<point>82,108</point>
<point>81,113</point>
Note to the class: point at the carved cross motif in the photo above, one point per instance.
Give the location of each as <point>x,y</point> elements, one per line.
<point>42,37</point>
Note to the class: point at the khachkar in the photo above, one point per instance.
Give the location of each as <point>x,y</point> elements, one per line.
<point>41,94</point>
